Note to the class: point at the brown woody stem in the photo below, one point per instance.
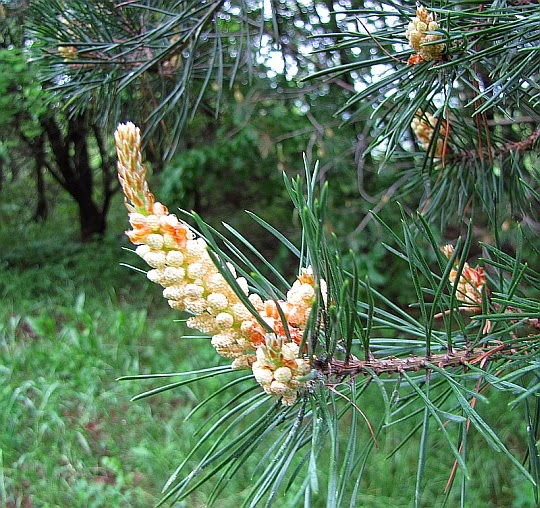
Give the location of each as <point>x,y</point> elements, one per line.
<point>390,365</point>
<point>517,146</point>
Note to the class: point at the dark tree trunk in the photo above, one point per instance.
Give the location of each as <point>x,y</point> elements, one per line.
<point>91,217</point>
<point>42,207</point>
<point>92,221</point>
<point>2,163</point>
<point>73,171</point>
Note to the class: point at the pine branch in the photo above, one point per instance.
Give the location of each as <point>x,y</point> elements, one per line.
<point>340,369</point>
<point>516,146</point>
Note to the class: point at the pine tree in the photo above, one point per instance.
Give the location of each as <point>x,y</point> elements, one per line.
<point>450,92</point>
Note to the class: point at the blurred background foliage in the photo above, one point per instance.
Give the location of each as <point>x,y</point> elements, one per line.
<point>230,94</point>
<point>247,123</point>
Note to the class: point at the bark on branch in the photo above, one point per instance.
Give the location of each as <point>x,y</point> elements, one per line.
<point>391,365</point>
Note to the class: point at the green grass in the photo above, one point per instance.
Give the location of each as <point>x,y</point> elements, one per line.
<point>73,320</point>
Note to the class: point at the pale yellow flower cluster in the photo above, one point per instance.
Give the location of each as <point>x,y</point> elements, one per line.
<point>279,370</point>
<point>67,52</point>
<point>180,263</point>
<point>417,36</point>
<point>174,62</point>
<point>470,283</point>
<point>423,126</point>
